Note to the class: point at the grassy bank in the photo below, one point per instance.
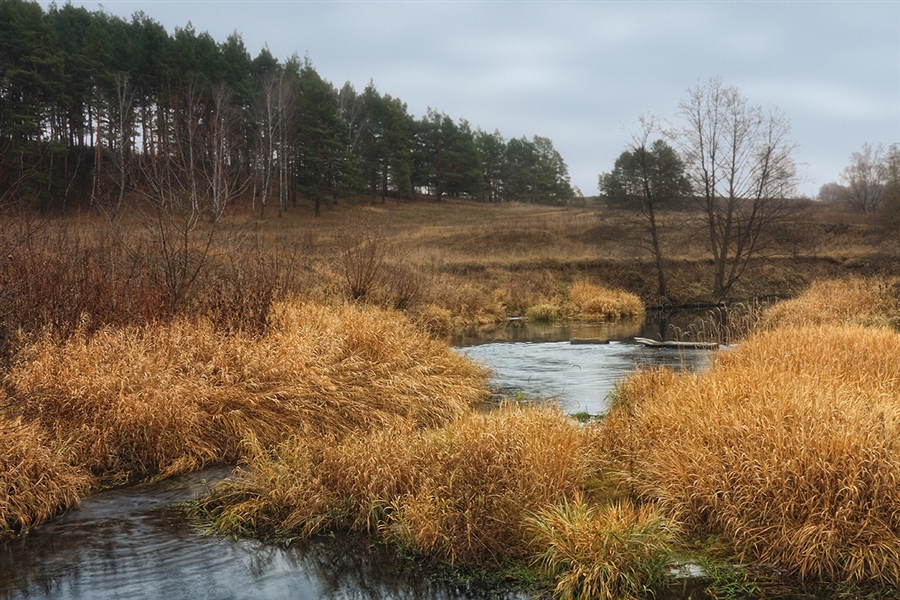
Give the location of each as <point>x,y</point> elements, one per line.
<point>458,492</point>
<point>787,447</point>
<point>306,349</point>
<point>126,403</point>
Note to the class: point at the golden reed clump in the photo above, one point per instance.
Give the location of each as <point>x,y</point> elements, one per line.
<point>544,312</point>
<point>856,301</point>
<point>598,302</point>
<point>788,446</point>
<point>164,399</point>
<point>36,482</point>
<point>615,551</point>
<point>456,492</point>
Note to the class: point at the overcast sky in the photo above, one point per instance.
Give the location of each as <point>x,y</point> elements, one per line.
<point>582,72</point>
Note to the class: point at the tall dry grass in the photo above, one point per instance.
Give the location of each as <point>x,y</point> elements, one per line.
<point>613,551</point>
<point>598,302</point>
<point>456,492</point>
<point>471,302</point>
<point>788,446</point>
<point>36,481</point>
<point>170,398</point>
<point>874,302</point>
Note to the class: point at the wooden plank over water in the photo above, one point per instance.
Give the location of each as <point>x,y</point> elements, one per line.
<point>673,344</point>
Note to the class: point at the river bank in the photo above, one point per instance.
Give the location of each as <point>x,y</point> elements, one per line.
<point>279,356</point>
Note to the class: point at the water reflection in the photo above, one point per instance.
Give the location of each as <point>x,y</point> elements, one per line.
<point>696,324</point>
<point>523,331</point>
<point>131,543</point>
<point>540,361</point>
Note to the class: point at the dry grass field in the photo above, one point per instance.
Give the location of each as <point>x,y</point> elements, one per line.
<point>313,353</point>
<point>452,267</point>
<point>788,446</point>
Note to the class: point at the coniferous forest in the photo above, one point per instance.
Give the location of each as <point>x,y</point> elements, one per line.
<point>96,111</point>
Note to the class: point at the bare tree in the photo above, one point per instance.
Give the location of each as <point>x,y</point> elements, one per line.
<point>740,163</point>
<point>180,242</point>
<point>890,206</point>
<point>188,188</point>
<point>864,179</point>
<point>121,117</point>
<point>832,192</point>
<point>647,177</point>
<point>225,176</point>
<point>352,110</point>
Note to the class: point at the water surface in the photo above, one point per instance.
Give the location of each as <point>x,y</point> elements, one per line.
<point>131,543</point>
<point>541,362</point>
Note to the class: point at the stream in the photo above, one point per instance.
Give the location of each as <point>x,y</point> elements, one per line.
<point>577,365</point>
<point>134,542</point>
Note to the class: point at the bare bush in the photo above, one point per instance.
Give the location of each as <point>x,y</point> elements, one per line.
<point>404,286</point>
<point>362,254</point>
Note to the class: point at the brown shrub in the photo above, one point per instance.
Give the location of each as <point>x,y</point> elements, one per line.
<point>362,249</point>
<point>404,286</point>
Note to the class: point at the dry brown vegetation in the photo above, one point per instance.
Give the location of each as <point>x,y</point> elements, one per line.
<point>598,302</point>
<point>164,399</point>
<point>458,492</point>
<point>872,301</point>
<point>478,262</point>
<point>609,551</point>
<point>306,347</point>
<point>37,482</point>
<point>787,446</point>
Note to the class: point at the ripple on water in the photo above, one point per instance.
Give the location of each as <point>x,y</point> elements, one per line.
<point>580,376</point>
<point>130,543</point>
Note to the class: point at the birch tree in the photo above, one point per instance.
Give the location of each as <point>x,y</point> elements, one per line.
<point>740,163</point>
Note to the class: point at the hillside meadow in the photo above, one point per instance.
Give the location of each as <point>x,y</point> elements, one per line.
<point>454,266</point>
<point>312,353</point>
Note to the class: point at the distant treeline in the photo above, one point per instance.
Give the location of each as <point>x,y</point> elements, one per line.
<point>98,111</point>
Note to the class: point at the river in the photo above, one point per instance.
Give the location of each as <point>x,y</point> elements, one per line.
<point>134,542</point>
<point>540,362</point>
